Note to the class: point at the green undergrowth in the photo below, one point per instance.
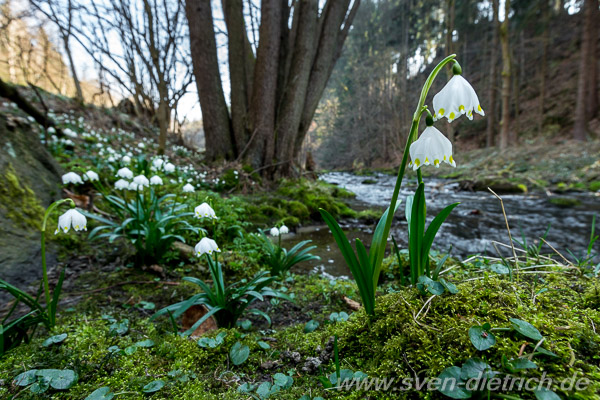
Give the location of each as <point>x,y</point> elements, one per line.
<point>392,344</point>
<point>298,201</point>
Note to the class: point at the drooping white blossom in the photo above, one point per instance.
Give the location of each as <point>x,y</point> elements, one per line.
<point>126,159</point>
<point>188,188</point>
<point>206,246</point>
<point>91,176</point>
<point>157,163</point>
<point>141,181</point>
<point>274,231</point>
<point>125,173</point>
<point>205,211</point>
<point>456,98</point>
<point>283,230</point>
<point>71,177</point>
<point>71,219</point>
<point>431,148</point>
<point>121,184</point>
<point>169,167</point>
<point>156,180</point>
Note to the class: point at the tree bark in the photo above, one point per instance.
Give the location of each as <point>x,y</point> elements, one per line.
<point>491,115</point>
<point>450,7</point>
<point>581,117</point>
<point>78,91</point>
<point>215,116</point>
<point>506,75</point>
<point>592,74</point>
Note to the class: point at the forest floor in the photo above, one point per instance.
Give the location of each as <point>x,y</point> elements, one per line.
<point>543,311</point>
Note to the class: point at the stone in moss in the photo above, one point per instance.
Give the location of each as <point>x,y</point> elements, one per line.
<point>564,202</point>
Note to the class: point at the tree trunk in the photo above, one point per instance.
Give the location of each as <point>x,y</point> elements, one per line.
<point>491,116</point>
<point>263,104</point>
<point>592,74</point>
<point>450,7</point>
<point>506,74</point>
<point>215,116</point>
<point>543,68</point>
<point>581,117</point>
<point>79,92</point>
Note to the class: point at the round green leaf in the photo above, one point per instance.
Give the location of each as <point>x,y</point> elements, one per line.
<point>431,286</point>
<point>545,394</point>
<point>526,329</point>
<point>500,269</point>
<point>145,343</point>
<point>102,393</point>
<point>476,368</point>
<point>129,350</point>
<point>54,340</point>
<point>264,390</point>
<point>523,363</point>
<point>282,380</point>
<point>239,353</point>
<point>26,378</point>
<point>60,379</point>
<point>481,338</point>
<point>264,345</point>
<point>40,386</point>
<point>154,386</point>
<point>311,326</point>
<point>450,287</point>
<point>452,384</point>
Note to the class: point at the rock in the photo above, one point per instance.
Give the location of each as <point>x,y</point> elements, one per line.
<point>192,315</point>
<point>29,182</point>
<point>268,365</point>
<point>291,356</point>
<point>311,365</point>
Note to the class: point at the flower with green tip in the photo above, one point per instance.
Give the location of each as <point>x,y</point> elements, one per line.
<point>71,219</point>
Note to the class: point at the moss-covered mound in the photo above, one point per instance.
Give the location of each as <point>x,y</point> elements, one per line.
<point>407,339</point>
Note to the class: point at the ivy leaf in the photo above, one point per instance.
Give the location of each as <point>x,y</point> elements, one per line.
<point>452,385</point>
<point>102,393</point>
<point>154,386</point>
<point>264,345</point>
<point>545,394</point>
<point>239,353</point>
<point>54,340</point>
<point>526,329</point>
<point>311,326</point>
<point>481,338</point>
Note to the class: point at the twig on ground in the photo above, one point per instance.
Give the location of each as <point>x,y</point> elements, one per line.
<point>123,284</point>
<point>507,228</point>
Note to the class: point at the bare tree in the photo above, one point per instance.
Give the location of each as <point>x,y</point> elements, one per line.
<point>274,94</point>
<point>506,77</point>
<point>149,60</point>
<point>61,13</point>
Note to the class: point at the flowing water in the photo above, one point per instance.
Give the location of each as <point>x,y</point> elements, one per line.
<point>471,227</point>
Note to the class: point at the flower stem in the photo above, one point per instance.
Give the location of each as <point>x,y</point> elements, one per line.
<point>43,243</point>
<point>412,136</point>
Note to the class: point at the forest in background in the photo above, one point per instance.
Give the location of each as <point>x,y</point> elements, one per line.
<point>365,114</point>
<point>535,72</point>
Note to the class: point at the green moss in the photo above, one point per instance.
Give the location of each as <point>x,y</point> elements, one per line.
<point>19,202</point>
<point>565,202</point>
<point>594,186</point>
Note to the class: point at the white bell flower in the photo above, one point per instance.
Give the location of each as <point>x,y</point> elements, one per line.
<point>274,232</point>
<point>205,211</point>
<point>126,159</point>
<point>431,148</point>
<point>456,98</point>
<point>71,219</point>
<point>283,230</point>
<point>71,177</point>
<point>125,173</point>
<point>141,181</point>
<point>133,186</point>
<point>156,180</point>
<point>121,184</point>
<point>169,167</point>
<point>157,163</point>
<point>206,246</point>
<point>188,188</point>
<point>91,176</point>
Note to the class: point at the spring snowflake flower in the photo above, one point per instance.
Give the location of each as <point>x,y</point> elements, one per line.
<point>274,232</point>
<point>91,176</point>
<point>71,219</point>
<point>456,98</point>
<point>157,163</point>
<point>431,148</point>
<point>205,211</point>
<point>121,184</point>
<point>125,173</point>
<point>206,246</point>
<point>169,168</point>
<point>156,180</point>
<point>283,230</point>
<point>71,177</point>
<point>70,133</point>
<point>133,186</point>
<point>126,159</point>
<point>188,188</point>
<point>141,181</point>
<point>141,145</point>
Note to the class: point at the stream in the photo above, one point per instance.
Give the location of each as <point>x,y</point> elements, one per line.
<point>470,229</point>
